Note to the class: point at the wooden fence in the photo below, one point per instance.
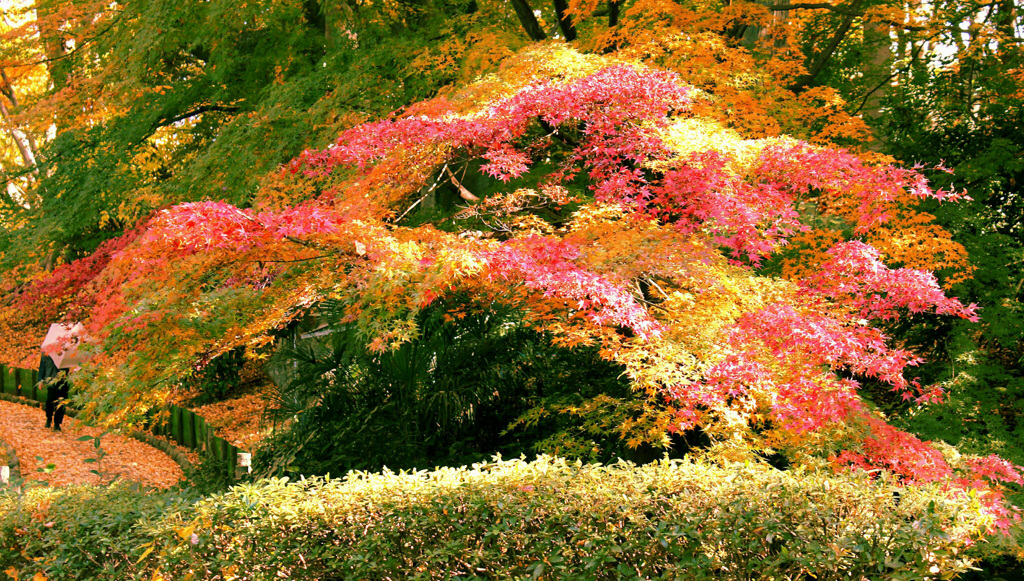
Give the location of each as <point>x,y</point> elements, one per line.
<point>185,427</point>
<point>22,383</point>
<point>190,430</point>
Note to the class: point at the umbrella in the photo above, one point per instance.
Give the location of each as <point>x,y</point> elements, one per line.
<point>63,344</point>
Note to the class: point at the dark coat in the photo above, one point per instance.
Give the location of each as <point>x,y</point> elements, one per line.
<point>59,388</point>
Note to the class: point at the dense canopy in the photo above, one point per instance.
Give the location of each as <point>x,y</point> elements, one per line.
<point>669,225</point>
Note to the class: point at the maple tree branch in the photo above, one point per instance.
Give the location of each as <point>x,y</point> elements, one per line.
<point>650,304</point>
<point>814,6</point>
<point>650,280</point>
<point>497,227</point>
<point>424,196</point>
<point>268,261</point>
<point>464,193</point>
<point>78,46</point>
<point>864,101</point>
<point>8,90</point>
<point>197,111</point>
<point>8,176</point>
<point>843,11</point>
<point>553,131</point>
<point>644,284</point>
<point>826,54</point>
<point>23,148</point>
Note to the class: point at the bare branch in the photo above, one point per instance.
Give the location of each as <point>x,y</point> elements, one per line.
<point>424,196</point>
<point>913,58</point>
<point>19,138</point>
<point>463,192</point>
<point>197,111</point>
<point>815,6</point>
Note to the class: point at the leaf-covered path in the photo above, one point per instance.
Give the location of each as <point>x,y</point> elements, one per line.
<point>23,428</point>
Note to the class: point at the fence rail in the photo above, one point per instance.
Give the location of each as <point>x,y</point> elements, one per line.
<point>187,428</point>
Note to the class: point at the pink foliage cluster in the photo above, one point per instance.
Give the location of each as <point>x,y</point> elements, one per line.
<point>805,401</point>
<point>192,228</point>
<point>898,452</point>
<point>855,276</point>
<point>804,341</point>
<point>821,340</point>
<point>917,462</point>
<point>995,469</point>
<point>546,264</point>
<point>750,218</point>
<point>617,109</point>
<point>799,168</point>
<point>540,263</point>
<point>888,448</point>
<point>753,215</point>
<point>618,113</point>
<point>201,226</point>
<point>67,281</point>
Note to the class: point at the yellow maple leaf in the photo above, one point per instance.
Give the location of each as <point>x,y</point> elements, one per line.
<point>185,532</point>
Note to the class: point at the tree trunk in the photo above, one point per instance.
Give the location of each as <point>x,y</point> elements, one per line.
<point>24,140</point>
<point>613,13</point>
<point>528,19</point>
<point>877,72</point>
<point>564,21</point>
<point>18,137</point>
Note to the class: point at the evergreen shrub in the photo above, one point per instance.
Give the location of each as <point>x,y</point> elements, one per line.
<point>545,519</point>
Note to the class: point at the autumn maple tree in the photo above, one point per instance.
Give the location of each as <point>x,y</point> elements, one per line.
<point>603,214</point>
<point>684,197</point>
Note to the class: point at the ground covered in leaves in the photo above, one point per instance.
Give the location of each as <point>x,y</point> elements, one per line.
<point>239,420</point>
<point>23,428</point>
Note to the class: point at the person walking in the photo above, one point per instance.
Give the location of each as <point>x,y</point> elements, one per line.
<point>57,386</point>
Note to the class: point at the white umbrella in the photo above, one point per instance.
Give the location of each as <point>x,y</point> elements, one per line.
<point>63,344</point>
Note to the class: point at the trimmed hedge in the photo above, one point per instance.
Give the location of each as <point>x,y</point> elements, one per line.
<point>545,519</point>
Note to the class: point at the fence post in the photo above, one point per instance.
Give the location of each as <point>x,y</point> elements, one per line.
<point>231,455</point>
<point>201,427</point>
<point>27,387</point>
<point>188,425</point>
<point>226,454</point>
<point>217,448</point>
<point>8,381</point>
<point>29,377</point>
<point>211,444</point>
<point>176,425</point>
